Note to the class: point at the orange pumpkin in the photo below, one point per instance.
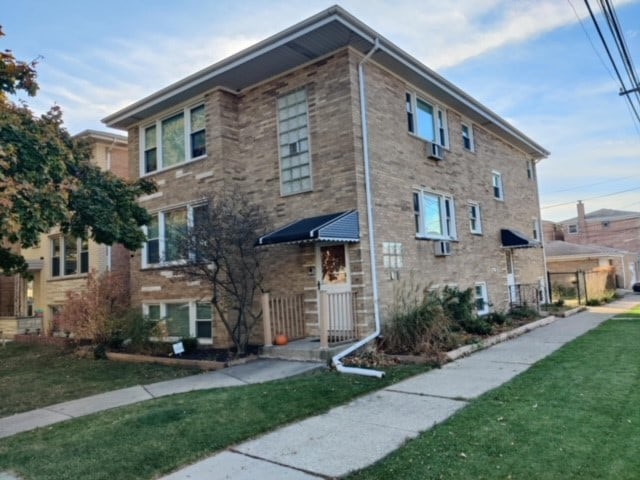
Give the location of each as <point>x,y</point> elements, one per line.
<point>281,340</point>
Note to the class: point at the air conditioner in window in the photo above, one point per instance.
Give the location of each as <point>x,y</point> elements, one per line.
<point>434,151</point>
<point>442,248</point>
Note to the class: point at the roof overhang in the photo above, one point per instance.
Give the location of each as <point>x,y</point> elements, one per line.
<point>340,227</point>
<point>328,31</point>
<point>514,239</point>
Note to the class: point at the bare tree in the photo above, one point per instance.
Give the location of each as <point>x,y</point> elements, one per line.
<point>220,250</point>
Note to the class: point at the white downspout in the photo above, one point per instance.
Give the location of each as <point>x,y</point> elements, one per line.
<point>372,243</point>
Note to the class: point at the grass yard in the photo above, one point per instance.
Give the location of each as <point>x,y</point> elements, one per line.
<point>33,376</point>
<point>575,414</point>
<point>155,437</point>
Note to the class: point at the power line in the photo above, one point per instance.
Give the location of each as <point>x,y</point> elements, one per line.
<point>608,8</point>
<point>591,184</point>
<point>591,198</point>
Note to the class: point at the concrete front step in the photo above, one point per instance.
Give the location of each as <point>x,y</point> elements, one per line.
<point>307,350</point>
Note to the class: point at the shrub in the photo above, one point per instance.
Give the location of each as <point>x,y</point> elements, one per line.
<point>416,322</point>
<point>594,302</point>
<point>523,313</point>
<point>96,311</point>
<point>496,318</point>
<point>190,344</point>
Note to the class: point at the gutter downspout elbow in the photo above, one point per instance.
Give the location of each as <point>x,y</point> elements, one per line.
<point>372,251</point>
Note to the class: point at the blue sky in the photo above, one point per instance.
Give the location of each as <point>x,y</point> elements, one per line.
<point>530,61</point>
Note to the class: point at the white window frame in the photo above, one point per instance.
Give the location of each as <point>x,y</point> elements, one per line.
<point>186,115</point>
<point>447,222</point>
<point>574,227</point>
<point>484,296</point>
<point>440,123</point>
<point>282,156</point>
<point>162,237</point>
<point>496,183</point>
<point>536,230</point>
<point>62,256</point>
<point>475,218</point>
<point>468,136</point>
<point>531,171</point>
<point>192,316</point>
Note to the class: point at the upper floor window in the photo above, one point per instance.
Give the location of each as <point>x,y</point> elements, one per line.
<point>467,137</point>
<point>475,221</point>
<point>69,256</point>
<point>573,228</point>
<point>173,140</point>
<point>536,229</point>
<point>496,179</point>
<point>530,170</point>
<point>166,232</point>
<point>434,215</point>
<point>426,120</point>
<point>293,131</point>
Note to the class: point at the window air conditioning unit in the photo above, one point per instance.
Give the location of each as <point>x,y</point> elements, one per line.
<point>442,248</point>
<point>434,151</point>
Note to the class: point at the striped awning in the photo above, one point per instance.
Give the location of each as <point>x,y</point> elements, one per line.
<point>514,239</point>
<point>340,227</point>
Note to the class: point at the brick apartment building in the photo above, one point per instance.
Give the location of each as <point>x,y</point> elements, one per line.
<point>329,126</point>
<point>607,235</point>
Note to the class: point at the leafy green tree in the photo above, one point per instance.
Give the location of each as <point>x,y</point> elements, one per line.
<point>46,178</point>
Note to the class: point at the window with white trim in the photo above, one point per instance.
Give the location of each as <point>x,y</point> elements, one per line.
<point>481,298</point>
<point>426,120</point>
<point>166,232</point>
<point>69,256</point>
<point>183,318</point>
<point>475,219</point>
<point>536,229</point>
<point>434,215</point>
<point>496,181</point>
<point>173,140</point>
<point>530,170</point>
<point>467,137</point>
<point>572,229</point>
<point>293,132</point>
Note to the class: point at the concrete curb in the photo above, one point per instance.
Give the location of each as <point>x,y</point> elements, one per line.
<point>502,337</point>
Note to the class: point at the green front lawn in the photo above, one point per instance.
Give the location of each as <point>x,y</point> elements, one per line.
<point>145,440</point>
<point>34,376</point>
<point>575,414</point>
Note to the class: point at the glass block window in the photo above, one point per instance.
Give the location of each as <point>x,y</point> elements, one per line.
<point>295,163</point>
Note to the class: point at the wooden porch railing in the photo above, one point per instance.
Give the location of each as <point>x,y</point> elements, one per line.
<point>283,315</point>
<point>338,321</point>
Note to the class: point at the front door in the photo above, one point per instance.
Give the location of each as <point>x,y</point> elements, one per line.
<point>334,278</point>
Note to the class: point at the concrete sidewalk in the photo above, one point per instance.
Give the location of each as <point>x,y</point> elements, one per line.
<point>248,373</point>
<point>381,422</point>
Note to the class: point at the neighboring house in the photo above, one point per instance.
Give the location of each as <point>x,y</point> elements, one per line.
<point>611,228</point>
<point>565,257</point>
<point>61,263</point>
<point>614,231</point>
<point>329,126</point>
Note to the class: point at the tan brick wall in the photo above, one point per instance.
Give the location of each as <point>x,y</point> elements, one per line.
<point>243,153</point>
<point>399,163</point>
